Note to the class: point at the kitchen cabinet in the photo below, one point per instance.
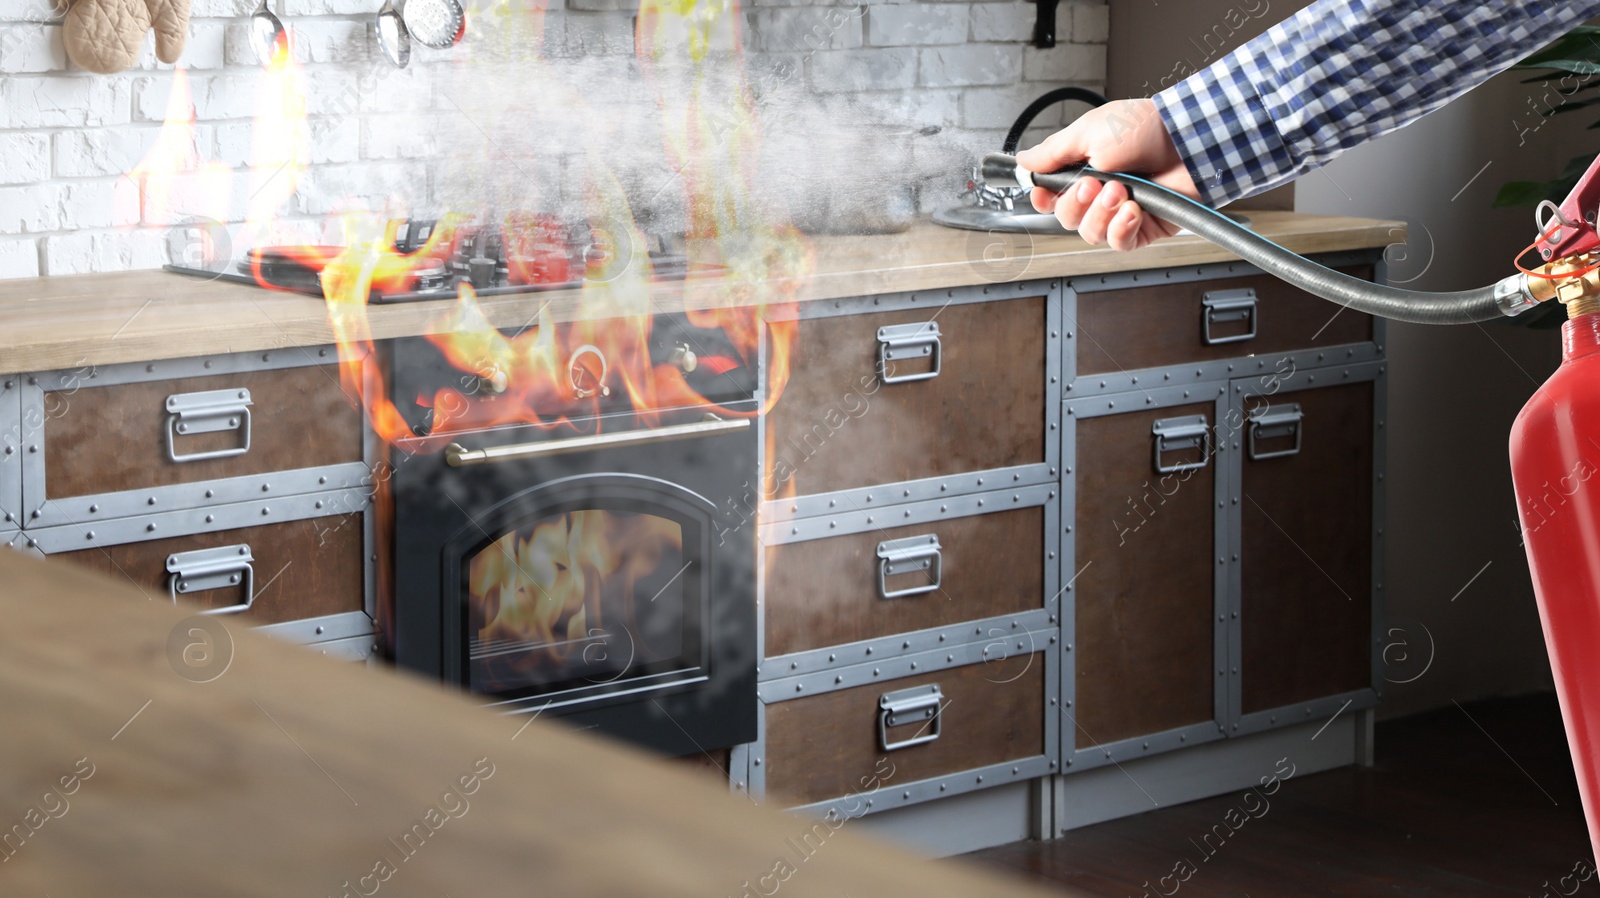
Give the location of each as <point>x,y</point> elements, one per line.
<point>1224,541</point>
<point>237,481</point>
<point>1012,535</point>
<point>910,603</point>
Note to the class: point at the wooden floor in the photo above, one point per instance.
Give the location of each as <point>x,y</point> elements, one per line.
<point>1465,801</point>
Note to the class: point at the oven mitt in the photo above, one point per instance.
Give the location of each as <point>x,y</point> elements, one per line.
<point>105,36</point>
<point>171,21</point>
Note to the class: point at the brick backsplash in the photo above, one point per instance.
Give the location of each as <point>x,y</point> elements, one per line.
<point>67,136</point>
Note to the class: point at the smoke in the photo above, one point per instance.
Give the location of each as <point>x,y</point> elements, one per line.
<point>512,127</point>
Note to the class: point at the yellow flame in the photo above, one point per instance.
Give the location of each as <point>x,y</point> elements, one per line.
<point>572,574</point>
<point>280,143</point>
<point>172,181</point>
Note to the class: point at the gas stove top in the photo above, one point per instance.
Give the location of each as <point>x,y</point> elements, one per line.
<point>521,254</point>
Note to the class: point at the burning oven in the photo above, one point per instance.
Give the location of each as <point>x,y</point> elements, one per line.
<point>579,566</point>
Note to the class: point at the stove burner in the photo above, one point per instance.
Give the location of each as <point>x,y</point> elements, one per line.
<point>524,254</point>
<point>591,384</point>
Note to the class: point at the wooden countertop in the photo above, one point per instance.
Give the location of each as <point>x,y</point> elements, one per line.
<point>69,322</point>
<point>289,774</point>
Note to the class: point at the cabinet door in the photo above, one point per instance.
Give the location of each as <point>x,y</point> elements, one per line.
<point>1146,642</point>
<point>1305,501</point>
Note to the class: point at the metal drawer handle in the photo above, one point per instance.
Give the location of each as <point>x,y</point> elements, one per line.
<point>457,455</point>
<point>1272,422</point>
<point>909,341</point>
<point>207,412</point>
<point>1228,306</point>
<point>901,556</point>
<point>1174,434</point>
<point>920,705</point>
<point>219,568</point>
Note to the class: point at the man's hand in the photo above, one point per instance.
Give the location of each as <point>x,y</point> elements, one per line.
<point>1121,136</point>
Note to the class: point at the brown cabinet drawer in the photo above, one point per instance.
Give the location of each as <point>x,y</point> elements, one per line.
<point>1306,552</point>
<point>1144,619</point>
<point>840,426</point>
<point>301,569</point>
<point>825,746</point>
<point>109,439</point>
<point>828,592</point>
<point>1162,325</point>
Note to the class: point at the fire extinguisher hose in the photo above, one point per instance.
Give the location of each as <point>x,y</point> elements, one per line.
<point>1507,297</point>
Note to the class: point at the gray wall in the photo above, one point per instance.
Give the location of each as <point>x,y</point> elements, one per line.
<point>1455,391</point>
<point>1153,45</point>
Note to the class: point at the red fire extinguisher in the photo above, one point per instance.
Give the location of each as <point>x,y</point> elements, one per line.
<point>1555,453</point>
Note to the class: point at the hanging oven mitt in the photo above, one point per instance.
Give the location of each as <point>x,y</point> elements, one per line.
<point>105,36</point>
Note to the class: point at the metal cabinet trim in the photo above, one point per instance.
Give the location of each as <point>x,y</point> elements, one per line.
<point>961,637</point>
<point>11,452</point>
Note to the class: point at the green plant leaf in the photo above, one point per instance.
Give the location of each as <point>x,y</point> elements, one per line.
<point>1580,44</point>
<point>1575,105</point>
<point>1549,76</point>
<point>1575,66</point>
<point>1576,52</point>
<point>1515,194</point>
<point>1575,168</point>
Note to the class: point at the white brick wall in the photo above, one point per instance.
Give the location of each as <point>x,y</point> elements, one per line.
<point>397,138</point>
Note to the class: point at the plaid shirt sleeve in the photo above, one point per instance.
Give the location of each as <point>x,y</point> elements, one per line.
<point>1339,73</point>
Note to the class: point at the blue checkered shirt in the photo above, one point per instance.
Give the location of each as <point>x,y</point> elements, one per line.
<point>1339,73</point>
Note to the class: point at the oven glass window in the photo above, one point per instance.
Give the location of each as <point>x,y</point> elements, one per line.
<point>582,597</point>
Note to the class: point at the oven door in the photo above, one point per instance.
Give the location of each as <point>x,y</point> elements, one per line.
<point>612,585</point>
<point>581,589</point>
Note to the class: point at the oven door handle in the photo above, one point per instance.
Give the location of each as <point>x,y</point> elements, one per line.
<point>457,455</point>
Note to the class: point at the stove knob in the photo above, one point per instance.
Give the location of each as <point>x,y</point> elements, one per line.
<point>684,358</point>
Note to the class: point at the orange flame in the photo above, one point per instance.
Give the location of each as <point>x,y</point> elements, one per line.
<point>742,268</point>
<point>712,138</point>
<point>550,590</point>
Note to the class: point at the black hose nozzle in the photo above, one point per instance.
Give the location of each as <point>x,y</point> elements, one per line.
<point>1507,297</point>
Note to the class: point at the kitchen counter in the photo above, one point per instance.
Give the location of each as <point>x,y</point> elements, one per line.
<point>69,322</point>
<point>254,768</point>
<point>1011,464</point>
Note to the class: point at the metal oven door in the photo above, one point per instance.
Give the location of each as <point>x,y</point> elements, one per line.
<point>591,577</point>
<point>582,588</point>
